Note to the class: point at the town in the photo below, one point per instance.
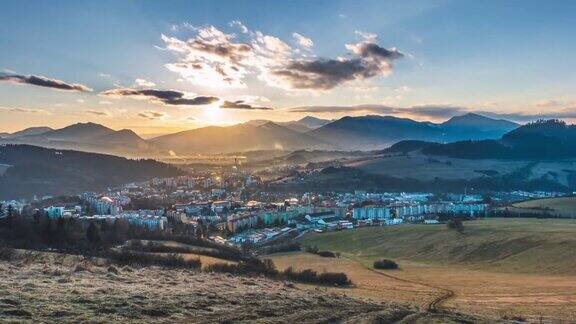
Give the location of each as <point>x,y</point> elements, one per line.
<point>226,208</point>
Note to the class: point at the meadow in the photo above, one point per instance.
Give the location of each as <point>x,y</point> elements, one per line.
<point>561,206</point>
<point>500,268</point>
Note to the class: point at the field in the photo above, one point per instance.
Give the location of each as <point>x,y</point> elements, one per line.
<point>563,206</point>
<point>498,268</point>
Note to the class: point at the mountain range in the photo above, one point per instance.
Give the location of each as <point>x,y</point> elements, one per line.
<point>348,133</point>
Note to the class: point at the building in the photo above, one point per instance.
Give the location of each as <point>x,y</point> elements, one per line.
<point>371,212</point>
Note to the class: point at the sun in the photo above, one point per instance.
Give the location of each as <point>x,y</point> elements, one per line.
<point>213,114</point>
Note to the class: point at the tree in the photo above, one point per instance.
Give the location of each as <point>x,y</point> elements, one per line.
<point>93,233</point>
<point>456,224</point>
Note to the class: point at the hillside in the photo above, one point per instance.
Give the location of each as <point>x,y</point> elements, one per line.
<point>241,137</point>
<point>562,207</point>
<point>503,245</point>
<point>40,171</point>
<point>61,291</point>
<point>549,139</point>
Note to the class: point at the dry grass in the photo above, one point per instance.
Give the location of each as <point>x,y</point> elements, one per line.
<point>68,292</point>
<point>492,295</point>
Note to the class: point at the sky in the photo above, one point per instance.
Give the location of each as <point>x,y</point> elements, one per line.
<point>163,66</point>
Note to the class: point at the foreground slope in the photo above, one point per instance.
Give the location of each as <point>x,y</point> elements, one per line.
<point>51,292</point>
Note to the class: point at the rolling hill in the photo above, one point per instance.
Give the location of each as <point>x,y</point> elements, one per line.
<point>40,171</point>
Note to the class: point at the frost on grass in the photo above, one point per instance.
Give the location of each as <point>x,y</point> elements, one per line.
<point>62,292</point>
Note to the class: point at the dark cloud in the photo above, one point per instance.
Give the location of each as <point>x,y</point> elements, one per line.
<point>42,81</point>
<point>167,97</point>
<point>152,115</point>
<point>367,49</point>
<point>23,110</point>
<point>239,104</point>
<point>98,113</point>
<point>324,74</point>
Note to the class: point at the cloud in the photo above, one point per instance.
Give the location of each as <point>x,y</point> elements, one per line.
<point>211,58</point>
<point>240,104</point>
<point>239,25</point>
<point>428,111</point>
<point>152,115</point>
<point>548,103</point>
<point>42,81</point>
<point>144,83</point>
<point>105,102</point>
<point>24,110</point>
<point>214,58</point>
<point>166,97</point>
<point>303,41</point>
<point>98,113</point>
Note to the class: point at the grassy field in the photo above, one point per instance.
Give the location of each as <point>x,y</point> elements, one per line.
<point>501,268</point>
<point>563,206</point>
<point>533,246</point>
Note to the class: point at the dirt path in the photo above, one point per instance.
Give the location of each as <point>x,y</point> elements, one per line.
<point>435,305</point>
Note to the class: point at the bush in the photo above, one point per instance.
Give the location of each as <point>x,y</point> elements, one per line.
<point>311,276</point>
<point>124,257</point>
<point>325,254</point>
<point>456,224</point>
<point>385,264</point>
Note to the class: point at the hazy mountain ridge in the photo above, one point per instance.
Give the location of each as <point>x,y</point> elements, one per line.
<point>241,137</point>
<point>369,132</point>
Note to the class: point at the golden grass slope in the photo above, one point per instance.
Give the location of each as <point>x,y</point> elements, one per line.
<point>535,246</point>
<point>59,293</point>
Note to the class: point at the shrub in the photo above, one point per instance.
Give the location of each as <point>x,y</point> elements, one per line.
<point>456,224</point>
<point>326,254</point>
<point>125,257</point>
<point>385,264</point>
<point>311,276</point>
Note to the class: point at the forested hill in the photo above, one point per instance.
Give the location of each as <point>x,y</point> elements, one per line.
<point>40,171</point>
<point>542,140</point>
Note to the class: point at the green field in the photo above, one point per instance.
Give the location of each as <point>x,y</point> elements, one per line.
<point>538,246</point>
<point>563,206</point>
